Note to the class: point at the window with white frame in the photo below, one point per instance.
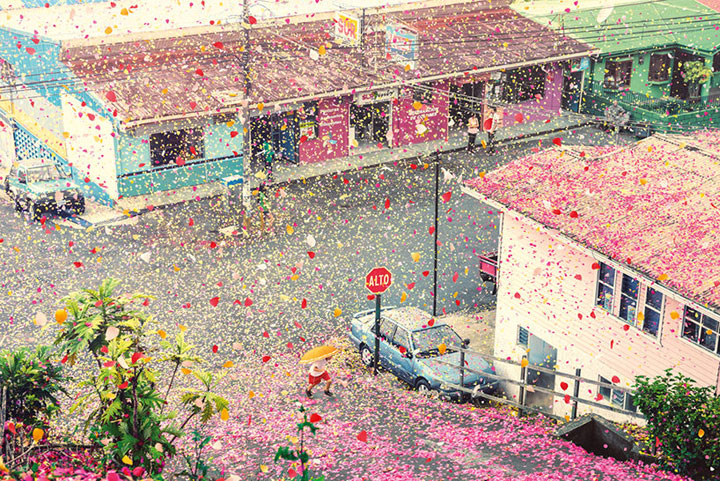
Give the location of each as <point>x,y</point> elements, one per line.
<point>629,293</point>
<point>653,311</point>
<point>606,287</point>
<point>701,329</point>
<point>616,397</point>
<point>639,305</point>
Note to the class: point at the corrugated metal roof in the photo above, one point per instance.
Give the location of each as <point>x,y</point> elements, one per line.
<point>182,75</point>
<point>654,206</point>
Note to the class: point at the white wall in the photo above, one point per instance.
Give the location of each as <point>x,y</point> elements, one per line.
<point>549,287</point>
<point>90,144</point>
<point>7,144</point>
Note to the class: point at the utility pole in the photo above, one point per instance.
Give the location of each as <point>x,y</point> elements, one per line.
<point>363,61</point>
<point>247,146</point>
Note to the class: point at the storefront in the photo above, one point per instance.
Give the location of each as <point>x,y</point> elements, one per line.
<point>420,114</point>
<point>467,96</point>
<point>371,117</point>
<point>325,135</point>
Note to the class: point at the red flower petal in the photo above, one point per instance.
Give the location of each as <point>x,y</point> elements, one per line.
<point>265,358</point>
<point>214,301</point>
<point>315,417</point>
<point>110,95</point>
<point>311,255</point>
<point>362,437</point>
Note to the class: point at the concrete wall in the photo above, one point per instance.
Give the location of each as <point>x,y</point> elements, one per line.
<point>90,149</point>
<point>411,125</point>
<point>137,176</point>
<point>549,288</point>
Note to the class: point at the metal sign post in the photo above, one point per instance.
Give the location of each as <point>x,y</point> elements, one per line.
<point>377,281</point>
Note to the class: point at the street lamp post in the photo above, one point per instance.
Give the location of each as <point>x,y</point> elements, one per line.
<point>435,231</point>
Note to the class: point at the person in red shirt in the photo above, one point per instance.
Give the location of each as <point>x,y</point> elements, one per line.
<point>318,374</point>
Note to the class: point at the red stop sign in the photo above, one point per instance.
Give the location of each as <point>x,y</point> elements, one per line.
<point>378,280</point>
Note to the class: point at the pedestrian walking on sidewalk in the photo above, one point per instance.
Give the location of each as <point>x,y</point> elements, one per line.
<point>494,119</point>
<point>473,127</point>
<point>268,159</point>
<point>264,207</point>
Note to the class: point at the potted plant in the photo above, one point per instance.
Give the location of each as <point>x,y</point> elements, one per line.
<point>696,73</point>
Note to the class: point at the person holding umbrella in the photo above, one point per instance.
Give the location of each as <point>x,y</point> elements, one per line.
<point>318,358</point>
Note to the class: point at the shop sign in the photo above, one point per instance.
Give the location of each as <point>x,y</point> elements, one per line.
<point>347,29</point>
<point>579,64</point>
<point>363,98</point>
<point>400,44</point>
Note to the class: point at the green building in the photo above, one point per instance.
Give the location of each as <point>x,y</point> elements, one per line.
<point>659,59</point>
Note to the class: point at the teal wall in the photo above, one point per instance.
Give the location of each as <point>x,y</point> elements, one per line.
<point>639,83</point>
<point>223,157</point>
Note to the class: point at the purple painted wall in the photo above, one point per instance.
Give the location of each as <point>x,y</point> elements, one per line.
<point>333,130</point>
<point>532,110</point>
<point>433,116</point>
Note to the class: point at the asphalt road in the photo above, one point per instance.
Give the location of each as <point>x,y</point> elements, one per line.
<point>329,232</point>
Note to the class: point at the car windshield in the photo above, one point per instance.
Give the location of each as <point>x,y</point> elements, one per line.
<point>428,340</point>
<point>45,172</point>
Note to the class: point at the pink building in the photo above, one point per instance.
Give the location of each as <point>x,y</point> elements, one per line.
<point>610,262</point>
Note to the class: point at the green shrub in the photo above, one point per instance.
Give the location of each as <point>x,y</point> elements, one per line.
<point>133,373</point>
<point>33,383</point>
<point>685,419</point>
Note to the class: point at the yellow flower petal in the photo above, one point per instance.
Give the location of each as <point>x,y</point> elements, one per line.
<point>403,297</point>
<point>524,363</point>
<point>701,433</point>
<point>224,415</point>
<point>337,312</point>
<point>289,229</point>
<point>127,460</point>
<point>38,434</point>
<point>228,364</point>
<point>415,256</point>
<point>251,394</point>
<point>442,348</point>
<point>162,334</point>
<point>185,370</point>
<point>263,468</point>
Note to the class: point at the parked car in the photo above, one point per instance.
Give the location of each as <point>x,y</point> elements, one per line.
<point>40,185</point>
<point>410,349</point>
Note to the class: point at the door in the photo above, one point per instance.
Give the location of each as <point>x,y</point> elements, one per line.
<point>572,84</point>
<point>400,364</point>
<point>287,138</point>
<point>678,87</point>
<point>542,354</point>
<point>380,121</point>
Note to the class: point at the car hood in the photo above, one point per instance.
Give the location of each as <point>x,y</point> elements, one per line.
<point>445,373</point>
<point>51,186</point>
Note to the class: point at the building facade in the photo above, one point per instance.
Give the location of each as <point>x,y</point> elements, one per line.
<point>643,61</point>
<point>606,285</point>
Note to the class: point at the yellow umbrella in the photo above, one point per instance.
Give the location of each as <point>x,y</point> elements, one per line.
<point>320,352</point>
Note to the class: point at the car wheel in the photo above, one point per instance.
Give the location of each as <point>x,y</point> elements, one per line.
<point>79,208</point>
<point>423,387</point>
<point>366,356</point>
<point>18,205</point>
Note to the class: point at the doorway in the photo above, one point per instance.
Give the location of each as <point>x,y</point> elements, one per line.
<point>369,123</point>
<point>540,354</point>
<point>678,87</point>
<point>572,88</point>
<point>465,100</point>
<point>281,130</point>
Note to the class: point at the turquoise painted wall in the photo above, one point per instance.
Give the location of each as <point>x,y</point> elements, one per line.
<point>223,157</point>
<point>639,83</point>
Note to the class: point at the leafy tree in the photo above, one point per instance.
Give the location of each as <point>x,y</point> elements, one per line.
<point>685,419</point>
<point>125,392</point>
<point>32,385</point>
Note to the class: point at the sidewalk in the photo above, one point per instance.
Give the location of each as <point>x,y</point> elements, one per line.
<point>283,173</point>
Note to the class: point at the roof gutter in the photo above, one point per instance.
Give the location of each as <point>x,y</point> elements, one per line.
<point>338,93</point>
<point>587,250</point>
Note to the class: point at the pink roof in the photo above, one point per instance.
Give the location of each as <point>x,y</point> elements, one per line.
<point>714,4</point>
<point>653,206</point>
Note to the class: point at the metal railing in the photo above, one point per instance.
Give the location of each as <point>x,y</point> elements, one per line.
<point>525,386</point>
